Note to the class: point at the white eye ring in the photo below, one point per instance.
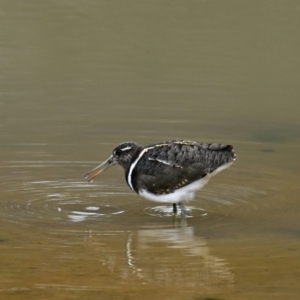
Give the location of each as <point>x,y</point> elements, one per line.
<point>117,152</point>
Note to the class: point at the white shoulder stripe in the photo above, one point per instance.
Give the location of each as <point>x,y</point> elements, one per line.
<point>129,179</point>
<point>165,162</point>
<point>160,160</point>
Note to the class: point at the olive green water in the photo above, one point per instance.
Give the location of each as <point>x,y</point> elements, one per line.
<point>79,77</point>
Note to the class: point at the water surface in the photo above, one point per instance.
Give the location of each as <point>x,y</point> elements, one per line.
<point>79,78</point>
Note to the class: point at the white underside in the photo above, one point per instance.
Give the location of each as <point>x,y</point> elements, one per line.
<point>184,194</point>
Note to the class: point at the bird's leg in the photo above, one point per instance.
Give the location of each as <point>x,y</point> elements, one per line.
<point>174,208</point>
<point>184,211</point>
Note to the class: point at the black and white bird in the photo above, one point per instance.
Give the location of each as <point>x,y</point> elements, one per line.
<point>168,172</point>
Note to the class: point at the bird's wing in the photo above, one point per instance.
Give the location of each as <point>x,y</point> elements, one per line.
<point>165,167</point>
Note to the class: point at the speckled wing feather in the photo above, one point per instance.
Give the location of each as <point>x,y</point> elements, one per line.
<point>167,166</point>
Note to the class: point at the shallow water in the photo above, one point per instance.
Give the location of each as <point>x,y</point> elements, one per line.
<point>77,79</point>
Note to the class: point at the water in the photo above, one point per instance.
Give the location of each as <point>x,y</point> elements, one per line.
<point>79,78</point>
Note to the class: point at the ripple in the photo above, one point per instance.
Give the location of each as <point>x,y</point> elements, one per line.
<point>73,201</point>
<point>224,195</point>
<point>167,211</point>
<point>30,199</point>
<point>81,213</point>
<point>59,210</point>
<point>56,201</point>
<point>231,195</point>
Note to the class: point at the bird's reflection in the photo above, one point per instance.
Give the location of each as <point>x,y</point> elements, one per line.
<point>171,256</point>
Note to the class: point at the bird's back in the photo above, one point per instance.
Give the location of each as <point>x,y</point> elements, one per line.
<point>162,168</point>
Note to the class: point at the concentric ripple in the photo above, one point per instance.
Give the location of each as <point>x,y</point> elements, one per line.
<point>26,200</point>
<point>221,195</point>
<point>29,199</point>
<point>59,201</point>
<point>167,211</point>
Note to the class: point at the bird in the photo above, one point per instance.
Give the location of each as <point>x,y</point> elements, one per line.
<point>170,171</point>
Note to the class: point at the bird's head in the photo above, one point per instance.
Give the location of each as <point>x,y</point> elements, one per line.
<point>121,155</point>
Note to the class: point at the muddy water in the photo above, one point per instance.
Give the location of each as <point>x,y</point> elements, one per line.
<point>79,78</point>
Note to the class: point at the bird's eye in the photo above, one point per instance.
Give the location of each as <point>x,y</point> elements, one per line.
<point>118,152</point>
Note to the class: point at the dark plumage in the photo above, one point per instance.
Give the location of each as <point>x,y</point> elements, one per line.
<point>169,171</point>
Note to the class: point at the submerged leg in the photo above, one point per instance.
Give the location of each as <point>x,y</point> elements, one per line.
<point>184,211</point>
<point>174,208</point>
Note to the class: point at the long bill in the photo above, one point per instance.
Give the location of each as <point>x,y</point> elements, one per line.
<point>103,166</point>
